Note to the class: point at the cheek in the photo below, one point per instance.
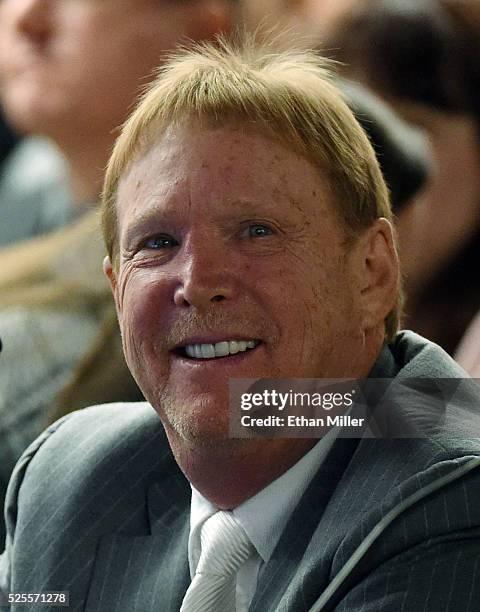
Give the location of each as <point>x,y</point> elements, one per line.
<point>90,38</point>
<point>143,312</point>
<point>318,303</point>
<point>311,283</point>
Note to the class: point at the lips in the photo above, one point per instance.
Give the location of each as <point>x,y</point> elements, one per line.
<point>223,348</point>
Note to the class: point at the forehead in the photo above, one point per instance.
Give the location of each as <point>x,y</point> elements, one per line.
<point>214,167</point>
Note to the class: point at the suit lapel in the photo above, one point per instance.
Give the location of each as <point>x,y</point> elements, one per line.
<point>147,572</point>
<point>281,584</point>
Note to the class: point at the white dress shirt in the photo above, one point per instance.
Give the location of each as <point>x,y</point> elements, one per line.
<point>263,516</point>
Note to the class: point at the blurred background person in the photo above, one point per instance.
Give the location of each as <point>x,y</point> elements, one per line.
<point>34,192</point>
<point>423,57</point>
<point>34,195</point>
<point>311,19</point>
<point>70,71</point>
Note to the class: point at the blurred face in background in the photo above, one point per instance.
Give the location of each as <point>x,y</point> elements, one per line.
<point>311,18</point>
<point>78,64</point>
<point>324,13</point>
<point>265,12</point>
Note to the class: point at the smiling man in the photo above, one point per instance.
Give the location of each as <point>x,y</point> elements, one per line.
<point>249,235</point>
<point>213,225</point>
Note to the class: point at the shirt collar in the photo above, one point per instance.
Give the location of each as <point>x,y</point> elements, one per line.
<point>265,515</point>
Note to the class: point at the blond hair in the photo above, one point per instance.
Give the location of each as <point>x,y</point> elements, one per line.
<point>288,95</point>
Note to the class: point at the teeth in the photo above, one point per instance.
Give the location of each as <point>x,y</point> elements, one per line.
<point>234,347</point>
<point>208,351</point>
<point>220,349</point>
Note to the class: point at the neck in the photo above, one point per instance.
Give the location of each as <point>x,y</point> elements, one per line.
<point>86,159</point>
<point>228,474</point>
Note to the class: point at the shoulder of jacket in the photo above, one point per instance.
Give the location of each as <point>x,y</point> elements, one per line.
<point>86,435</point>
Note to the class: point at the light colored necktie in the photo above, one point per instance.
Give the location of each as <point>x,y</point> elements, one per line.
<point>225,546</point>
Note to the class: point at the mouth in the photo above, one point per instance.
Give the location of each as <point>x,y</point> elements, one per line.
<point>217,350</point>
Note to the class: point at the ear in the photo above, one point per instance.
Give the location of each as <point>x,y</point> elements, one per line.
<point>110,274</point>
<point>379,273</point>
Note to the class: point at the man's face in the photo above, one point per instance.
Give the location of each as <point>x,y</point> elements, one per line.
<point>226,236</point>
<point>78,64</point>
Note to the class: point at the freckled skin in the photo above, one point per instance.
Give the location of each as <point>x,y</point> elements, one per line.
<point>295,288</point>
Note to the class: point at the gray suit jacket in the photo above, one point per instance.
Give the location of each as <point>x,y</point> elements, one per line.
<point>98,507</point>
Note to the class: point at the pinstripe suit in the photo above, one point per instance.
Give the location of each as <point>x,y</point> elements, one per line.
<point>97,506</point>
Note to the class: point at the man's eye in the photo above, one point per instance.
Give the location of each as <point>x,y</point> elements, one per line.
<point>160,242</point>
<point>257,230</point>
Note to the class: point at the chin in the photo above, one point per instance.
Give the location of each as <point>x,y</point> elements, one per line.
<point>198,432</point>
<point>30,111</point>
<point>25,120</point>
<point>200,420</point>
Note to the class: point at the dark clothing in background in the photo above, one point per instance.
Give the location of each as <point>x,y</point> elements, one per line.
<point>8,138</point>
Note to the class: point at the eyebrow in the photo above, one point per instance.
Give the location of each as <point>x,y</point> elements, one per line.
<point>143,220</point>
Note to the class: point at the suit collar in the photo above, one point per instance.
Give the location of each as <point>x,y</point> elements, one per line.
<point>279,585</point>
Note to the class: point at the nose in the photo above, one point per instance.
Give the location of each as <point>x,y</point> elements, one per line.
<point>206,277</point>
<point>33,18</point>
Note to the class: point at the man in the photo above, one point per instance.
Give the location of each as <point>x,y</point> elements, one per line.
<point>69,71</point>
<point>248,232</point>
